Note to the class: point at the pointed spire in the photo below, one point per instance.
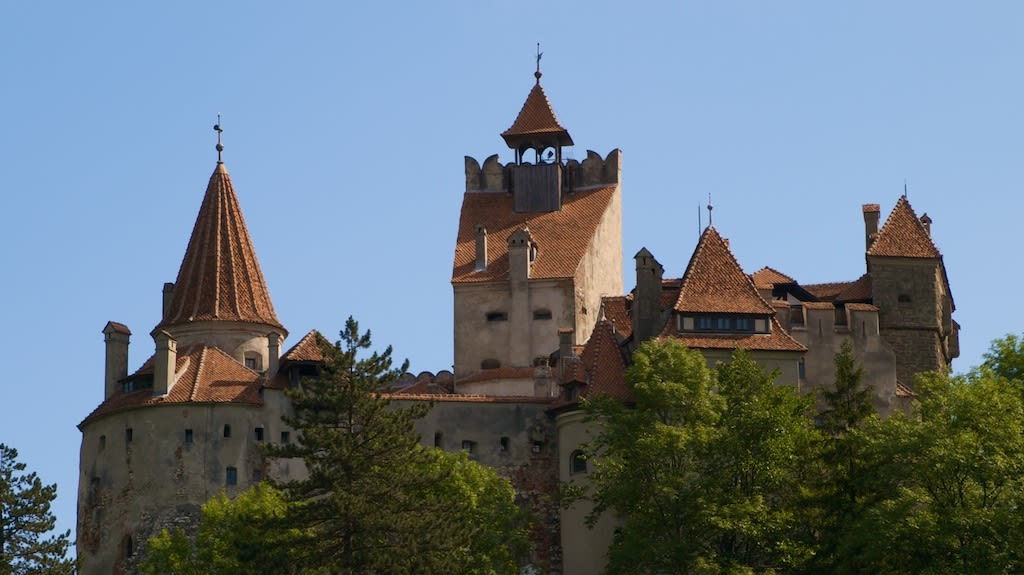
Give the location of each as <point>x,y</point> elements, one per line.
<point>714,282</point>
<point>220,277</point>
<point>536,124</point>
<point>904,235</point>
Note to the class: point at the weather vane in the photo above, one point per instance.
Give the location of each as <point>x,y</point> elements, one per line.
<point>220,146</point>
<point>710,207</point>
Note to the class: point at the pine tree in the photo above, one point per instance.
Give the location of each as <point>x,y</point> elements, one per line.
<point>25,521</point>
<point>375,500</point>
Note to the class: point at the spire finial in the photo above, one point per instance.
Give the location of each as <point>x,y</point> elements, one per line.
<point>904,188</point>
<point>220,146</point>
<point>710,207</point>
<point>540,54</point>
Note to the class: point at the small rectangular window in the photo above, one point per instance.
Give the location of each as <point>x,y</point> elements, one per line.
<point>497,316</point>
<point>724,323</point>
<point>227,430</point>
<point>128,435</point>
<point>744,324</point>
<point>250,362</point>
<point>705,322</point>
<point>188,436</point>
<point>286,437</point>
<point>259,434</point>
<point>542,314</point>
<point>468,446</point>
<point>437,439</point>
<point>231,476</point>
<point>503,445</point>
<point>257,476</point>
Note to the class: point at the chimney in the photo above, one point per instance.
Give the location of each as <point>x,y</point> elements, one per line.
<point>521,253</point>
<point>564,350</point>
<point>274,353</point>
<point>115,338</point>
<point>871,214</point>
<point>927,223</point>
<point>481,248</point>
<point>165,362</point>
<point>168,295</point>
<point>647,299</point>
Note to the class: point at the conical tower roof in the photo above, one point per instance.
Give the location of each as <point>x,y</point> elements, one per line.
<point>220,277</point>
<point>536,123</point>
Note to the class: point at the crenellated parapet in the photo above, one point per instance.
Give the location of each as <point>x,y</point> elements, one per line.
<point>493,176</point>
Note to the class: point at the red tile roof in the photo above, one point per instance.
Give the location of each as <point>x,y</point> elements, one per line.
<point>220,277</point>
<point>616,311</point>
<point>903,235</point>
<point>601,366</point>
<point>307,348</point>
<point>497,373</point>
<point>562,237</point>
<point>714,282</point>
<point>856,291</point>
<point>827,291</point>
<point>536,118</point>
<point>861,307</point>
<point>770,276</point>
<point>203,375</point>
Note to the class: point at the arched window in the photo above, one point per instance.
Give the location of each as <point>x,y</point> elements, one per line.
<point>577,463</point>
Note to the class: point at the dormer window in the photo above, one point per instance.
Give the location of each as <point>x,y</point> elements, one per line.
<point>722,323</point>
<point>253,361</point>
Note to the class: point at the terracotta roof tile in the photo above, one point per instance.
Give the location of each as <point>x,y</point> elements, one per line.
<point>466,398</point>
<point>536,118</point>
<point>904,391</point>
<point>503,372</point>
<point>777,340</point>
<point>819,305</point>
<point>861,307</point>
<point>203,374</point>
<point>714,281</point>
<point>307,348</point>
<point>616,311</point>
<point>857,291</point>
<point>903,235</point>
<point>827,291</point>
<point>117,327</point>
<point>604,370</point>
<point>770,276</point>
<point>562,237</point>
<point>220,277</point>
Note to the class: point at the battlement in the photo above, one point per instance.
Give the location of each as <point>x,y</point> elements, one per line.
<point>494,176</point>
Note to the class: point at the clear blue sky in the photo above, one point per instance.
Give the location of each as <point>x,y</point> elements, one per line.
<point>346,125</point>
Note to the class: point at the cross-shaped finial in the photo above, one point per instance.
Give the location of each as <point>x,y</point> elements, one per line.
<point>539,55</point>
<point>220,147</point>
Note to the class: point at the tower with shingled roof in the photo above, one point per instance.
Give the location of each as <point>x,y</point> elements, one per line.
<point>539,244</point>
<point>188,423</point>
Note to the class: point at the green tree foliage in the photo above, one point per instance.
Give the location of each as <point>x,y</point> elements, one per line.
<point>1005,358</point>
<point>947,483</point>
<point>375,500</point>
<point>835,497</point>
<point>703,480</point>
<point>26,521</point>
<point>241,536</point>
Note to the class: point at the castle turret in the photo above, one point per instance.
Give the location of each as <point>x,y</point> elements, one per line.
<point>647,299</point>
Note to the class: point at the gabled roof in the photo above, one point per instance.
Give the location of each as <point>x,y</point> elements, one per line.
<point>903,235</point>
<point>202,374</point>
<point>600,366</point>
<point>714,282</point>
<point>307,349</point>
<point>770,276</point>
<point>562,237</point>
<point>220,277</point>
<point>536,121</point>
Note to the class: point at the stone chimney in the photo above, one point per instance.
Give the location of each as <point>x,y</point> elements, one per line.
<point>647,299</point>
<point>481,248</point>
<point>927,223</point>
<point>168,295</point>
<point>564,350</point>
<point>521,253</point>
<point>274,353</point>
<point>165,362</point>
<point>871,215</point>
<point>115,337</point>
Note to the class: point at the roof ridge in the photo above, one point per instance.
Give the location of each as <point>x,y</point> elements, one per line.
<point>201,364</point>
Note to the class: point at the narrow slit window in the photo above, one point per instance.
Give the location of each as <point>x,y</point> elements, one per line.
<point>128,435</point>
<point>231,476</point>
<point>503,445</point>
<point>286,437</point>
<point>227,430</point>
<point>259,434</point>
<point>188,436</point>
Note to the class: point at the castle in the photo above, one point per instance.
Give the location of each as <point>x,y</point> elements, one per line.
<point>541,320</point>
